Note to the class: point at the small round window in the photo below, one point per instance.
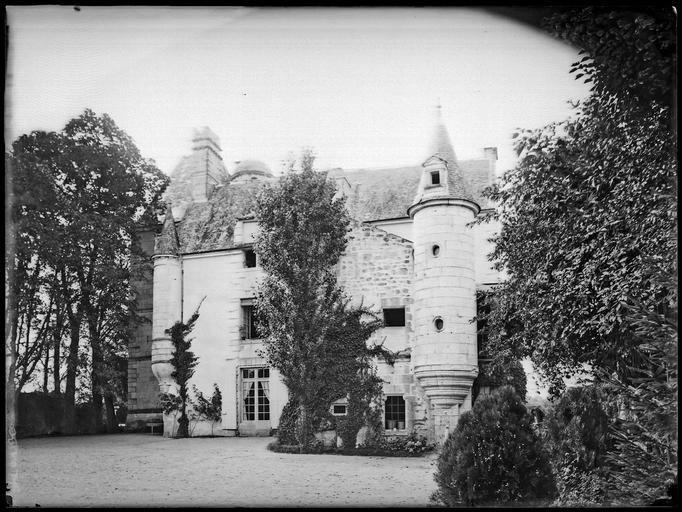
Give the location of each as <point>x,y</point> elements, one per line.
<point>435,250</point>
<point>438,323</point>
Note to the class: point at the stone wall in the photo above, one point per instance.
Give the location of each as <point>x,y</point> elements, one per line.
<point>378,269</point>
<point>143,388</point>
<point>224,280</point>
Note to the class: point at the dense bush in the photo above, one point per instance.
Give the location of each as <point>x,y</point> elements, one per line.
<point>494,455</point>
<point>363,410</point>
<point>313,447</point>
<point>409,446</point>
<point>286,431</point>
<point>502,372</point>
<point>577,434</point>
<point>413,444</point>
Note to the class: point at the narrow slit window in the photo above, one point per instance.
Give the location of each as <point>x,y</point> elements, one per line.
<point>435,178</point>
<point>394,317</point>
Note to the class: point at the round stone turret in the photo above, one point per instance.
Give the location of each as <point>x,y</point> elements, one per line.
<point>444,358</point>
<point>167,301</point>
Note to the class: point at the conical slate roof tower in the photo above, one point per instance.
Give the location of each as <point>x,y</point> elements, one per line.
<point>444,358</point>
<point>167,242</point>
<point>442,176</point>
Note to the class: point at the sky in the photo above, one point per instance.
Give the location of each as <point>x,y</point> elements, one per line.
<point>356,85</point>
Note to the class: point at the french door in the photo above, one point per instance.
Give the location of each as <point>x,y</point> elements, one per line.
<point>255,401</point>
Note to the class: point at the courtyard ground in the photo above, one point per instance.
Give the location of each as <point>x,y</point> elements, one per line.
<point>125,470</point>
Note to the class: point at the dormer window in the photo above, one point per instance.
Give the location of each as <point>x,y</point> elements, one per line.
<point>435,178</point>
<point>249,258</point>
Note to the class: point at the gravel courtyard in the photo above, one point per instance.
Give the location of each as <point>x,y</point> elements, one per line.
<point>125,470</point>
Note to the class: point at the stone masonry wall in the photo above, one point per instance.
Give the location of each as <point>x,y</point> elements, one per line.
<point>143,388</point>
<point>378,269</point>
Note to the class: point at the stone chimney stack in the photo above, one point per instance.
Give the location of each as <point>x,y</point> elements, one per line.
<point>207,164</point>
<point>491,155</point>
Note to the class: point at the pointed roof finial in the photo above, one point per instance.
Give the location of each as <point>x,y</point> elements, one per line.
<point>167,242</point>
<point>440,144</point>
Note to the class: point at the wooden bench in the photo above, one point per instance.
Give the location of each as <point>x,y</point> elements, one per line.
<point>155,424</point>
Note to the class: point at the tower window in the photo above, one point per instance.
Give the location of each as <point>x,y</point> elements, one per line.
<point>249,258</point>
<point>435,178</point>
<point>394,317</point>
<point>435,250</point>
<point>438,323</point>
<point>394,413</point>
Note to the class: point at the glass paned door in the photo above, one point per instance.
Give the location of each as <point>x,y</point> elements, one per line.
<point>255,413</point>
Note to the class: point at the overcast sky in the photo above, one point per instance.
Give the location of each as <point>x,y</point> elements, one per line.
<point>357,85</point>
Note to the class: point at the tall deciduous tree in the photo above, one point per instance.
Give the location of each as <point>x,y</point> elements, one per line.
<point>589,220</point>
<point>78,195</point>
<point>312,334</point>
<point>589,232</point>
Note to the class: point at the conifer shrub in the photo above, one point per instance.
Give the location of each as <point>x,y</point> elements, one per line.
<point>286,431</point>
<point>494,456</point>
<point>577,434</point>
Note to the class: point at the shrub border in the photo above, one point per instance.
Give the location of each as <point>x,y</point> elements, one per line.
<point>274,446</point>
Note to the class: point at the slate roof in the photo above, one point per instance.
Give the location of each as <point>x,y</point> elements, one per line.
<point>387,193</point>
<point>210,225</point>
<point>374,194</point>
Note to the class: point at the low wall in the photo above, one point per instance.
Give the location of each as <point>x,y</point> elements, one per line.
<point>40,414</point>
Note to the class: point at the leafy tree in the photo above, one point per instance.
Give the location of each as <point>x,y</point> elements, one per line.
<point>312,334</point>
<point>494,455</point>
<point>31,297</point>
<point>588,226</point>
<point>364,409</point>
<point>496,367</point>
<point>643,460</point>
<point>77,196</point>
<point>184,363</point>
<point>577,427</point>
<point>589,235</point>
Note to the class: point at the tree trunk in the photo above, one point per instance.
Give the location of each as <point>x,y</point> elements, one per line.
<point>96,378</point>
<point>46,368</point>
<point>11,455</point>
<point>183,422</point>
<point>304,430</point>
<point>56,362</point>
<point>112,421</point>
<point>56,343</point>
<point>71,371</point>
